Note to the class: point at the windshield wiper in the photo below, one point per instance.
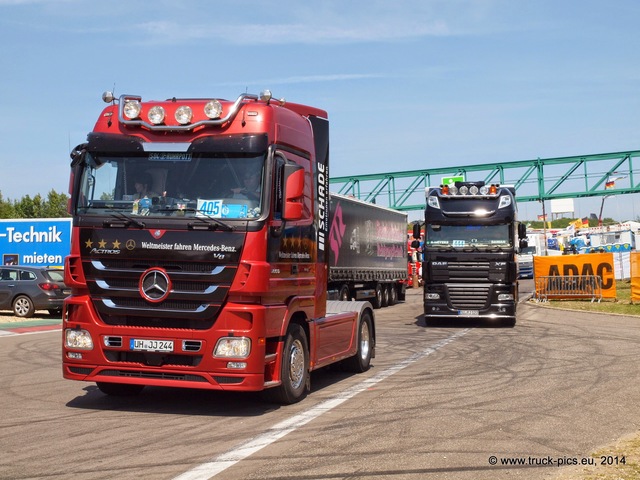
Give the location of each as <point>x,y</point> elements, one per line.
<point>216,223</point>
<point>127,220</point>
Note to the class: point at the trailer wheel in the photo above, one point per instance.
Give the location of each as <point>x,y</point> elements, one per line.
<point>345,294</point>
<point>393,294</point>
<point>361,361</point>
<point>294,369</point>
<point>377,300</point>
<point>385,295</point>
<point>119,389</point>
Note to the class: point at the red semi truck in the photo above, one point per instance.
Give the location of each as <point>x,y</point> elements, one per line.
<point>199,254</point>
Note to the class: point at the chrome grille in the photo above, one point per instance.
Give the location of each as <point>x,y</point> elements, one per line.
<point>468,297</point>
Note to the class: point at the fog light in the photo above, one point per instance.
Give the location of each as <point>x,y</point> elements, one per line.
<point>74,355</point>
<point>237,365</point>
<point>184,114</point>
<point>78,339</point>
<point>504,297</point>
<point>131,109</point>
<point>233,347</point>
<point>432,296</point>
<point>213,109</point>
<point>156,115</point>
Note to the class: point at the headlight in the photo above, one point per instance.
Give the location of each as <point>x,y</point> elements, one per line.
<point>233,347</point>
<point>505,201</point>
<point>132,109</point>
<point>433,201</point>
<point>78,339</point>
<point>184,114</point>
<point>213,109</point>
<point>156,115</point>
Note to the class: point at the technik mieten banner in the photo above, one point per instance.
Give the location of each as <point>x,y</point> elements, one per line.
<point>43,242</point>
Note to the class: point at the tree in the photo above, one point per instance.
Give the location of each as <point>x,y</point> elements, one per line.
<point>55,206</point>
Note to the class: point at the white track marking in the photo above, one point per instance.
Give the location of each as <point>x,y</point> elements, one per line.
<point>221,463</point>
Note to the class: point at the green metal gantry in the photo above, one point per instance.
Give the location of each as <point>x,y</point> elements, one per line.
<point>534,180</point>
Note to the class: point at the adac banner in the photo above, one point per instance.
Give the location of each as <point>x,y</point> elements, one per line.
<point>41,242</point>
<point>599,264</point>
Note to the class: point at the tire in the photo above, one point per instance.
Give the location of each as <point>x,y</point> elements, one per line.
<point>345,294</point>
<point>119,389</point>
<point>385,296</point>
<point>393,294</point>
<point>377,300</point>
<point>294,369</point>
<point>361,361</point>
<point>23,307</point>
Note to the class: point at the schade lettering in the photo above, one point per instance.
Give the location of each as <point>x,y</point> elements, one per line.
<point>323,191</point>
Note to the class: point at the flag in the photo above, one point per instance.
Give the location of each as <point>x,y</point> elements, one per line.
<point>610,184</point>
<point>542,217</point>
<point>585,221</point>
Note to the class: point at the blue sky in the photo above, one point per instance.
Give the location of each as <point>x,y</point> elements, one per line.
<point>408,84</point>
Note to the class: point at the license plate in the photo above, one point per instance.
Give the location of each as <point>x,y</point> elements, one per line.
<point>145,345</point>
<point>468,312</point>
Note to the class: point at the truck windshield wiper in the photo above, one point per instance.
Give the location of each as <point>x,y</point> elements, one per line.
<point>444,248</point>
<point>216,223</point>
<point>125,218</point>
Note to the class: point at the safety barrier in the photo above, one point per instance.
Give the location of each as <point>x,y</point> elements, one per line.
<point>568,287</point>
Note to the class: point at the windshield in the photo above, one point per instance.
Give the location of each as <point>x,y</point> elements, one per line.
<point>467,235</point>
<point>160,184</point>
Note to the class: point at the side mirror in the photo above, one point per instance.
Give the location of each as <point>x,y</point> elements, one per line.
<point>522,230</point>
<point>77,154</point>
<point>416,232</point>
<point>293,191</point>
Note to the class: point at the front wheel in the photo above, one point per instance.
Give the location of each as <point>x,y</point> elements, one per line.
<point>23,307</point>
<point>294,369</point>
<point>361,361</point>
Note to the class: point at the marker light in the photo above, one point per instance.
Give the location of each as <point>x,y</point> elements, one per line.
<point>445,189</point>
<point>493,189</point>
<point>131,109</point>
<point>156,115</point>
<point>213,109</point>
<point>184,114</point>
<point>266,95</point>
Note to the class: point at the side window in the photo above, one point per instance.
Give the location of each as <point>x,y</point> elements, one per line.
<point>26,275</point>
<point>9,274</point>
